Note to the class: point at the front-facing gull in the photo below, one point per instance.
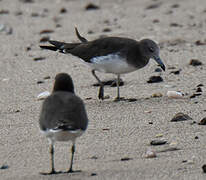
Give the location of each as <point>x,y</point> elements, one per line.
<point>114,55</point>
<point>63,116</point>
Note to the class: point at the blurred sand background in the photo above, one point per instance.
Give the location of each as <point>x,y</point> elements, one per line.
<point>116,130</point>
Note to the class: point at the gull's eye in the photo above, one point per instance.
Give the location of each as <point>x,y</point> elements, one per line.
<point>151,49</point>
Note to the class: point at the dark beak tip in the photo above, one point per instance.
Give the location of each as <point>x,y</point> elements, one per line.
<point>162,66</point>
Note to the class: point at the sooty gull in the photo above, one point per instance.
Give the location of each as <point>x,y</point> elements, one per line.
<point>63,116</point>
<point>114,55</point>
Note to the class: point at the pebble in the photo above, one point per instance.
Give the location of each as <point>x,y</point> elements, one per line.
<point>9,30</point>
<point>43,95</point>
<point>200,43</point>
<point>18,13</point>
<point>200,85</point>
<point>58,25</point>
<point>175,94</point>
<point>131,100</point>
<point>176,72</point>
<point>180,117</point>
<point>94,157</point>
<point>63,10</point>
<point>27,1</point>
<point>158,142</point>
<point>40,82</point>
<point>90,32</point>
<point>155,79</point>
<point>4,167</point>
<point>199,89</point>
<point>158,70</point>
<point>91,6</point>
<point>175,6</point>
<point>4,11</point>
<point>175,25</point>
<point>204,168</point>
<point>169,149</point>
<point>34,14</point>
<point>195,62</point>
<point>39,58</point>
<point>154,6</point>
<point>156,21</point>
<point>88,98</point>
<point>106,30</point>
<point>93,174</point>
<point>194,95</point>
<point>126,159</point>
<point>46,31</point>
<point>47,77</point>
<point>44,39</point>
<point>28,48</point>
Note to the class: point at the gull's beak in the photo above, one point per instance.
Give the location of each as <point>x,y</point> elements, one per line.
<point>159,61</point>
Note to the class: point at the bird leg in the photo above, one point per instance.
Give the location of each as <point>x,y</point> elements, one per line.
<point>52,162</point>
<point>72,151</point>
<point>52,158</point>
<point>118,80</point>
<point>101,89</point>
<point>118,98</point>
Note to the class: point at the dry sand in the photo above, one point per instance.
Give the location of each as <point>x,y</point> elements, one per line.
<point>116,130</point>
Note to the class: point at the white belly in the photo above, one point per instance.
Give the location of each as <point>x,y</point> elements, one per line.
<point>112,63</point>
<point>61,135</point>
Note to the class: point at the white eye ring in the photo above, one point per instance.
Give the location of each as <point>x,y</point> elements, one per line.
<point>151,49</point>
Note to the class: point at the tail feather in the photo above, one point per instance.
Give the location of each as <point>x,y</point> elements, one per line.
<point>82,39</point>
<point>65,47</point>
<point>58,44</point>
<point>61,46</point>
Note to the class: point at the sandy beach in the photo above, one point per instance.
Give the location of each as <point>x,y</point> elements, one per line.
<point>119,133</point>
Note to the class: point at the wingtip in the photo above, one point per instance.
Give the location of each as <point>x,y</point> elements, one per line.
<point>53,48</point>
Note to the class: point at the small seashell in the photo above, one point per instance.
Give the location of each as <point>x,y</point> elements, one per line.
<point>156,95</point>
<point>159,135</point>
<point>175,94</point>
<point>43,95</point>
<point>5,79</point>
<point>2,27</point>
<point>203,121</point>
<point>192,160</point>
<point>150,154</point>
<point>147,111</point>
<point>180,117</point>
<point>173,144</point>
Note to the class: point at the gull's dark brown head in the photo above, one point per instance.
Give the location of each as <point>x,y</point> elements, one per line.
<point>63,82</point>
<point>151,50</point>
